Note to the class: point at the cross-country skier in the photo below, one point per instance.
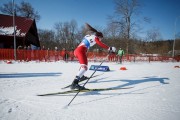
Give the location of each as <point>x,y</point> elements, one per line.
<point>93,37</point>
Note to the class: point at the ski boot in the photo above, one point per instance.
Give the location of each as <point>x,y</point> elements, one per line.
<point>83,78</point>
<point>75,84</point>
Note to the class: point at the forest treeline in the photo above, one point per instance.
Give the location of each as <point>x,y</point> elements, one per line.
<point>68,38</point>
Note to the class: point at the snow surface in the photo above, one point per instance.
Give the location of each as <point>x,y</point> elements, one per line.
<point>155,94</point>
<point>10,31</point>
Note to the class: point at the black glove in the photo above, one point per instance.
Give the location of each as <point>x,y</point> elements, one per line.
<point>110,50</point>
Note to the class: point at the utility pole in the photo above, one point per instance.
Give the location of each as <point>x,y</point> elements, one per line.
<point>173,53</point>
<point>14,29</point>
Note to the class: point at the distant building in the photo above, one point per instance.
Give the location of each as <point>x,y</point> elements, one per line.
<point>26,32</point>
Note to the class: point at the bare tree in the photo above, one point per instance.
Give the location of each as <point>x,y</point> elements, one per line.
<point>47,38</point>
<point>153,35</point>
<point>24,10</point>
<point>113,31</point>
<point>73,30</point>
<point>66,33</point>
<point>125,11</point>
<point>152,38</point>
<point>7,8</point>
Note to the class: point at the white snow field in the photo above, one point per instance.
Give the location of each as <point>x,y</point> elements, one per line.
<point>155,94</point>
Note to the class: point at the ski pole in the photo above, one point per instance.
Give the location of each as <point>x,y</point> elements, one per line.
<point>85,83</point>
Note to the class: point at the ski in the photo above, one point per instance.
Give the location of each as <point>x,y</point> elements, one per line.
<point>85,90</point>
<point>83,80</point>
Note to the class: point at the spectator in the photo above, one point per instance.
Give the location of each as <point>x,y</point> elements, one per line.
<point>56,54</point>
<point>28,53</point>
<point>120,55</point>
<point>71,54</point>
<point>43,54</point>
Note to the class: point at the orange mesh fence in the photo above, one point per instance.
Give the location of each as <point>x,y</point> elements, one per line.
<point>52,55</point>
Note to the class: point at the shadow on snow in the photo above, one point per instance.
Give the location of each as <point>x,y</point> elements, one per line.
<point>126,84</point>
<point>21,75</point>
<point>135,82</point>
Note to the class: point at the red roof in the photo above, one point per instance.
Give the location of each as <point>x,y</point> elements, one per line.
<point>23,24</point>
<point>26,31</point>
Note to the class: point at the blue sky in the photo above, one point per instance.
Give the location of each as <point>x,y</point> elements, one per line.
<point>162,13</point>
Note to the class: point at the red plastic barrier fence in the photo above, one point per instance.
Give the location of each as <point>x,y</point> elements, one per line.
<point>52,55</point>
